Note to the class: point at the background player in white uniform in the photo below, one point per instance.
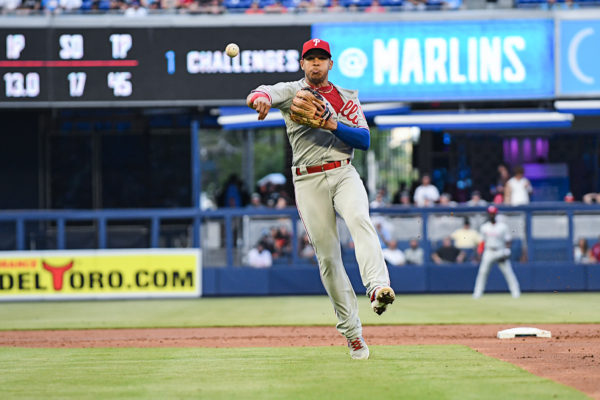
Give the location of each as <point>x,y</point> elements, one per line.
<point>496,238</point>
<point>325,182</point>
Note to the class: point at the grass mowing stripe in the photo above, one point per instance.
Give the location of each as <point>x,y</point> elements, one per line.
<point>408,372</point>
<point>300,310</point>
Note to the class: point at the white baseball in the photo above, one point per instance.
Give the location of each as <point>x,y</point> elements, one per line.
<point>232,50</point>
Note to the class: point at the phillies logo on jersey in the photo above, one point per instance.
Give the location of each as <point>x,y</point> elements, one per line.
<point>350,111</point>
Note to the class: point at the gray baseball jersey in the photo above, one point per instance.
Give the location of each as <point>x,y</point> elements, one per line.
<point>312,146</point>
<point>495,236</point>
<point>320,195</point>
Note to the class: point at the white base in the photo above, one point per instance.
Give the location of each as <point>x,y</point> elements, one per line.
<point>523,331</point>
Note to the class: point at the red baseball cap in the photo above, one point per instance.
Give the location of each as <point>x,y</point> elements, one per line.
<point>492,210</point>
<point>315,44</point>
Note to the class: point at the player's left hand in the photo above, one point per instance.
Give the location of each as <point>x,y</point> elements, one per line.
<point>309,108</point>
<point>506,254</point>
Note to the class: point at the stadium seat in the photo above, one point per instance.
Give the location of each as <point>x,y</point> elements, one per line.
<point>86,5</point>
<point>358,3</point>
<point>391,3</point>
<point>237,3</point>
<point>104,5</point>
<point>292,4</point>
<point>265,3</point>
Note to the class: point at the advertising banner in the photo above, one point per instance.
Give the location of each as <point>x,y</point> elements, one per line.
<point>100,274</point>
<point>443,61</point>
<point>579,74</point>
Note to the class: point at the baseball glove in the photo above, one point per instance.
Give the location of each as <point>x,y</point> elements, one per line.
<point>309,108</point>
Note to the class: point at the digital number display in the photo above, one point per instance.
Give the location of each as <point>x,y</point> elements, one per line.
<point>144,66</point>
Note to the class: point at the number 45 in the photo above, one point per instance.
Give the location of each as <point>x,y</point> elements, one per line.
<point>120,84</point>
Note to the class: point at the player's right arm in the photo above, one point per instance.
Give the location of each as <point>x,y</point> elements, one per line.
<point>259,102</point>
<point>264,97</point>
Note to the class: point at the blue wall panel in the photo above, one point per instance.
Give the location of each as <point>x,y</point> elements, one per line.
<point>243,281</point>
<point>209,281</point>
<point>455,278</point>
<point>408,279</point>
<point>429,279</point>
<point>593,277</point>
<point>304,280</point>
<point>559,278</point>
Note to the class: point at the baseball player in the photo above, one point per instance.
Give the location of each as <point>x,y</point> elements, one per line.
<point>496,241</point>
<point>324,124</point>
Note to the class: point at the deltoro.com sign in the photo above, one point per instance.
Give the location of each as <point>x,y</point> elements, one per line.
<point>96,274</point>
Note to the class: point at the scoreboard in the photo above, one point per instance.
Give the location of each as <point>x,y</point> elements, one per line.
<point>134,66</point>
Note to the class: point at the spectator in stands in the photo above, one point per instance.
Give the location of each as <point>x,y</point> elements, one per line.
<point>498,194</point>
<point>50,6</point>
<point>591,198</point>
<point>259,256</point>
<point>254,8</point>
<point>554,5</point>
<point>451,4</point>
<point>414,5</point>
<point>268,239</point>
<point>27,5</point>
<point>405,199</point>
<point>426,194</point>
<point>517,189</point>
<point>169,4</point>
<point>448,253</point>
<point>255,201</point>
<point>375,7</point>
<point>466,238</point>
<point>414,254</point>
<point>383,231</point>
<point>275,8</point>
<point>213,7</point>
<point>6,6</point>
<point>503,175</point>
<point>135,9</point>
<point>595,251</point>
<point>393,255</point>
<point>281,202</point>
<point>582,253</point>
<point>335,7</point>
<point>233,194</point>
<point>308,6</point>
<point>305,248</point>
<point>476,200</point>
<point>283,242</point>
<point>446,200</point>
<point>380,200</point>
<point>569,198</point>
<point>70,5</point>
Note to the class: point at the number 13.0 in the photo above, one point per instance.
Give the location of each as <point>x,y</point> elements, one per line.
<point>19,85</point>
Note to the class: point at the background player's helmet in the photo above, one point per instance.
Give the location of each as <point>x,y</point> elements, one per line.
<point>492,210</point>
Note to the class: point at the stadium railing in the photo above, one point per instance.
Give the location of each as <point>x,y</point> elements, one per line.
<point>542,232</point>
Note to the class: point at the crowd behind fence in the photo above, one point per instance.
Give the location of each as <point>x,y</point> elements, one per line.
<point>542,232</point>
<point>141,8</point>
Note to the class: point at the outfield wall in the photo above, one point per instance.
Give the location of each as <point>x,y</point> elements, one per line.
<point>409,279</point>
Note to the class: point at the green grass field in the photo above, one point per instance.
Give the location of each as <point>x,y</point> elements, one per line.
<point>309,310</point>
<point>393,372</point>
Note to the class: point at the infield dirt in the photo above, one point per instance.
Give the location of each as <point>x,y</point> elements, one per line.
<point>571,356</point>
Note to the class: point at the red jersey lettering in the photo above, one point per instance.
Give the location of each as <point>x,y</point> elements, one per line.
<point>350,111</point>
